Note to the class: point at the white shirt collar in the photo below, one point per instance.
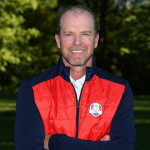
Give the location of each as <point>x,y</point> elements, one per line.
<point>80,81</point>
<point>78,84</point>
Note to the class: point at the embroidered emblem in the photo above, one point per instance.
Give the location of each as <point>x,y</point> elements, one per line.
<point>95,109</point>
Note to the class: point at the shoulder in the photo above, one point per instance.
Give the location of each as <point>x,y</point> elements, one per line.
<point>110,76</point>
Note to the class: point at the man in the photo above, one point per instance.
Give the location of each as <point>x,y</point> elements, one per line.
<point>75,105</point>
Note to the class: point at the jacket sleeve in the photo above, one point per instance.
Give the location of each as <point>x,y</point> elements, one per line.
<point>122,131</point>
<point>29,128</point>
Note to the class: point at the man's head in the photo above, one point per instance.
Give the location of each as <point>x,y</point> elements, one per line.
<point>77,36</point>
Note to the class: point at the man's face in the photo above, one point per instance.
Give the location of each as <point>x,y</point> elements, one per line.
<point>77,39</point>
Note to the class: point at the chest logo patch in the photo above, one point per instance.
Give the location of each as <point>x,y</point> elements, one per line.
<point>95,109</point>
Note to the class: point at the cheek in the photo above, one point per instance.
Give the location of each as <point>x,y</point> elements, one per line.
<point>89,43</point>
<point>88,40</point>
<point>66,43</point>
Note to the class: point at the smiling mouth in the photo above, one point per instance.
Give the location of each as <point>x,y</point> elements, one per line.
<point>77,51</point>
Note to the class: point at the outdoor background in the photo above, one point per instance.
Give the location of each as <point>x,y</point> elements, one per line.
<point>27,47</point>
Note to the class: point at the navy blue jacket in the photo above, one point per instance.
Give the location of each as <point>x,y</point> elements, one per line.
<point>29,128</point>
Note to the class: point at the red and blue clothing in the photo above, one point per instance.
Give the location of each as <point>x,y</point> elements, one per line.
<point>47,104</point>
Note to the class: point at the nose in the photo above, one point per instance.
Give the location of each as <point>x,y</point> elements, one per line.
<point>77,40</point>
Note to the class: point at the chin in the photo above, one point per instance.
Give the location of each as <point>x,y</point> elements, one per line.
<point>77,63</point>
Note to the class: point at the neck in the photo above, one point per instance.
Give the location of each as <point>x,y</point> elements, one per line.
<point>77,72</point>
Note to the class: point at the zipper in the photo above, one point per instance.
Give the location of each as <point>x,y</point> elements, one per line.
<point>77,106</point>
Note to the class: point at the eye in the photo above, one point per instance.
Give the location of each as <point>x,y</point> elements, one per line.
<point>85,34</point>
<point>69,34</point>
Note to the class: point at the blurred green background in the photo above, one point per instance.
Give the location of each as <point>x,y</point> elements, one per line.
<point>28,47</point>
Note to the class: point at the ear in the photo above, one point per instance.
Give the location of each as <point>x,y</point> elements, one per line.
<point>57,38</point>
<point>96,41</point>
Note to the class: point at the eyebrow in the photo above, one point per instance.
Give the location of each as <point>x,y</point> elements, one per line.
<point>87,32</point>
<point>81,32</point>
<point>68,32</point>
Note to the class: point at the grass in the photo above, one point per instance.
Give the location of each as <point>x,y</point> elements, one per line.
<point>142,122</point>
<point>7,121</point>
<point>141,112</point>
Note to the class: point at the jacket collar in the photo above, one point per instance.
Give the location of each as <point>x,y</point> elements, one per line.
<point>65,71</point>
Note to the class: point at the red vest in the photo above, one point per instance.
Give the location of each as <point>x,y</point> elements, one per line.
<point>56,101</point>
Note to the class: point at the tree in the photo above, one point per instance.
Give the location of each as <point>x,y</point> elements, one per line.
<point>19,39</point>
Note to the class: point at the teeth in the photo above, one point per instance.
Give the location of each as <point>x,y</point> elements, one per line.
<point>77,51</point>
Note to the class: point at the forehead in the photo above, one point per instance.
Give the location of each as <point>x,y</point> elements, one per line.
<point>82,19</point>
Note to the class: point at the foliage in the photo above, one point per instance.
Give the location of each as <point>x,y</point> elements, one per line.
<point>128,42</point>
<point>135,61</point>
<point>14,37</point>
<point>27,43</point>
<point>24,39</point>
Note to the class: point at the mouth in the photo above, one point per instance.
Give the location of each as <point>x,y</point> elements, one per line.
<point>77,51</point>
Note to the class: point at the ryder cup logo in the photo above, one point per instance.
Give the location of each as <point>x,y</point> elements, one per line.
<point>95,109</point>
